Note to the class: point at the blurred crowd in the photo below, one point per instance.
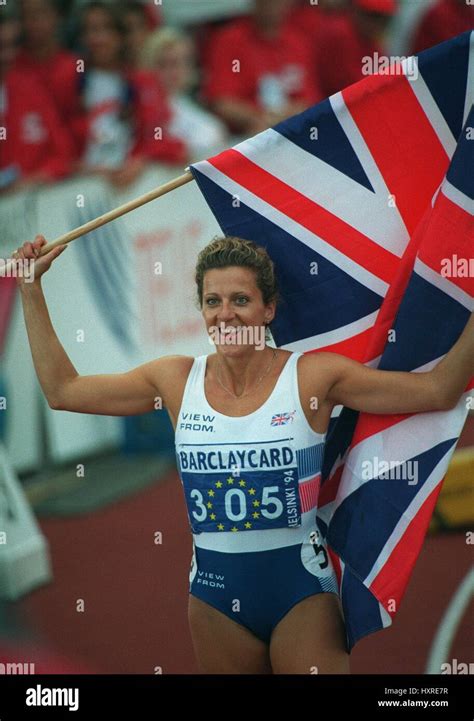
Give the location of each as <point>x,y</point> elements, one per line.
<point>106,87</point>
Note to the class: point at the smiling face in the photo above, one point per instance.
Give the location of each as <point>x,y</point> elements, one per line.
<point>231,298</point>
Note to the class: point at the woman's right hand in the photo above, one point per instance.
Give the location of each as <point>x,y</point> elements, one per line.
<point>32,272</point>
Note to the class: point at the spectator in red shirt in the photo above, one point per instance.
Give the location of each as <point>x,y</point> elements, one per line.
<point>42,54</point>
<point>444,20</point>
<point>345,42</point>
<point>125,118</point>
<point>259,69</point>
<point>37,147</point>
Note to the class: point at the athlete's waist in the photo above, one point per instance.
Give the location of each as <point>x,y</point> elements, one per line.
<point>258,540</point>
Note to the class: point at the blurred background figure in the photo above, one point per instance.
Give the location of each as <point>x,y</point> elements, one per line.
<point>125,115</point>
<point>310,18</point>
<point>139,24</point>
<point>42,53</point>
<point>349,38</point>
<point>170,53</point>
<point>444,20</point>
<point>259,69</point>
<point>313,19</point>
<point>39,148</point>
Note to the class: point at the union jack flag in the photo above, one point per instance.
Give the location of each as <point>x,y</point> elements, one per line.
<point>281,419</point>
<point>363,201</point>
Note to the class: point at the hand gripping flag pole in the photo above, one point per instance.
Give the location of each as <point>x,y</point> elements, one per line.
<point>5,266</point>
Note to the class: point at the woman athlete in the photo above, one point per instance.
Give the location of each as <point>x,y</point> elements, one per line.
<point>250,424</point>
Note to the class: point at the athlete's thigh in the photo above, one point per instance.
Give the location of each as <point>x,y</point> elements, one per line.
<point>310,638</point>
<point>222,645</point>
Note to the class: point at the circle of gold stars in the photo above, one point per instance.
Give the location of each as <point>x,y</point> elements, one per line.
<point>232,481</point>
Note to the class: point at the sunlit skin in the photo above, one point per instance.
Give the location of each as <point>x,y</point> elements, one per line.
<point>232,298</point>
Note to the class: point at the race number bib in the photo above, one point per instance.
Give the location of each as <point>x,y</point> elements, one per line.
<point>240,487</point>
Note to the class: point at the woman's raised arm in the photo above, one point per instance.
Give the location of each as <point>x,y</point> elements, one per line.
<point>137,391</point>
<point>356,386</point>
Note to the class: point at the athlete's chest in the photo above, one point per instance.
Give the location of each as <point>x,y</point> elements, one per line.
<point>267,404</point>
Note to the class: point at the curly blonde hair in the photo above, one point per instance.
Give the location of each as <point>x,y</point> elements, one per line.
<point>222,252</point>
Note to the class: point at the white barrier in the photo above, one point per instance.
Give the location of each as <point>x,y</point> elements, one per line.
<point>24,553</point>
<point>111,302</point>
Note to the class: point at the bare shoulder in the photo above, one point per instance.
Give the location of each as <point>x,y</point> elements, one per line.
<point>319,364</point>
<point>173,363</point>
<point>170,369</point>
<point>315,377</point>
<point>169,374</point>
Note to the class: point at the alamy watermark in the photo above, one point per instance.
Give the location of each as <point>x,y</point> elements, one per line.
<point>457,667</point>
<point>39,696</point>
<point>237,335</point>
<point>390,470</point>
<point>377,64</point>
<point>16,669</point>
<point>21,268</point>
<point>457,267</point>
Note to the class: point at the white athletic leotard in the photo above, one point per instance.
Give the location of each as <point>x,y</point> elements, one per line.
<point>251,485</point>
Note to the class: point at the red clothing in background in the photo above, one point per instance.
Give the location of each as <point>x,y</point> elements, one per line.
<point>58,76</point>
<point>153,14</point>
<point>340,51</point>
<point>146,107</point>
<point>307,18</point>
<point>446,19</point>
<point>36,139</point>
<point>151,111</point>
<point>311,19</point>
<point>286,59</point>
<point>7,296</point>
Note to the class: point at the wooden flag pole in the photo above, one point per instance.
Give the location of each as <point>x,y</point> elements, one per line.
<point>110,215</point>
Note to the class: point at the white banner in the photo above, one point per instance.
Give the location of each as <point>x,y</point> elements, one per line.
<point>118,297</point>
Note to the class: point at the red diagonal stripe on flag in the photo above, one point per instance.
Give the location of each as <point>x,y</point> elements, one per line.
<point>369,424</point>
<point>395,122</point>
<point>338,234</point>
<point>392,579</point>
<point>451,238</point>
<point>354,347</point>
